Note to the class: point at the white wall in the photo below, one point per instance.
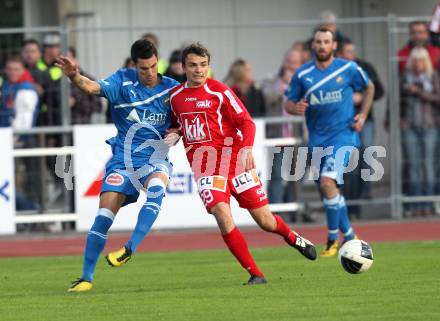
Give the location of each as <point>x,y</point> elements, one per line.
<point>176,21</point>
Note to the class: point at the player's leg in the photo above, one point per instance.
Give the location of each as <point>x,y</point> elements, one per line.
<point>155,186</point>
<point>109,204</point>
<point>236,242</point>
<point>248,191</point>
<point>275,224</point>
<point>333,202</point>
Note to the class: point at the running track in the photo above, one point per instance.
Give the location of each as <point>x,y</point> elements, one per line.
<point>160,241</point>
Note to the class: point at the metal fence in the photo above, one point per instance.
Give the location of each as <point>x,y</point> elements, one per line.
<point>102,50</point>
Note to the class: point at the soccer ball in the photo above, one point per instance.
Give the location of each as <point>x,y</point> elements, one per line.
<point>356,256</point>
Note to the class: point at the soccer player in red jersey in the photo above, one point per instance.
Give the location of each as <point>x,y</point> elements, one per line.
<point>218,134</point>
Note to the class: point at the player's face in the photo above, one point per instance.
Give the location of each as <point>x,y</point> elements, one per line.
<point>419,34</point>
<point>147,69</point>
<point>196,69</point>
<point>323,46</point>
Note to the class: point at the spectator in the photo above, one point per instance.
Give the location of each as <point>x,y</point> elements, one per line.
<point>154,39</point>
<point>128,63</point>
<point>19,97</point>
<point>273,89</point>
<point>420,89</point>
<point>175,69</point>
<point>31,55</point>
<point>304,48</point>
<point>82,104</point>
<point>240,80</point>
<point>418,37</point>
<point>355,187</point>
<point>328,19</point>
<point>50,114</point>
<point>18,104</point>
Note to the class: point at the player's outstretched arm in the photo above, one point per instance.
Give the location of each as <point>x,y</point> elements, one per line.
<point>71,70</point>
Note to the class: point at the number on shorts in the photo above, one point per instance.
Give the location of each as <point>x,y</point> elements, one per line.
<point>206,196</point>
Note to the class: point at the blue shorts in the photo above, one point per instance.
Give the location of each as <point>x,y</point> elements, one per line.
<point>118,179</point>
<point>334,165</point>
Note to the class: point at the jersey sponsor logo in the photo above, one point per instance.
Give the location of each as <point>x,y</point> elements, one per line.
<point>203,103</point>
<point>245,181</point>
<point>323,98</point>
<point>115,179</point>
<point>217,183</point>
<point>195,127</point>
<point>154,119</point>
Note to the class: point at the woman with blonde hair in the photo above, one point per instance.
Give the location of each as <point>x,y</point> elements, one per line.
<point>420,98</point>
<point>241,80</point>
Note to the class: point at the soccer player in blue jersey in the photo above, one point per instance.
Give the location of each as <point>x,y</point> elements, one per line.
<point>139,99</point>
<point>322,90</point>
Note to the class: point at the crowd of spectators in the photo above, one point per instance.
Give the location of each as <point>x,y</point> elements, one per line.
<point>31,96</point>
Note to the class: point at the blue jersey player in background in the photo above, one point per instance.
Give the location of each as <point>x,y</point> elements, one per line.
<point>140,109</point>
<point>322,90</point>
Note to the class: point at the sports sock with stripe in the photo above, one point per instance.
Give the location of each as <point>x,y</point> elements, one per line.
<point>96,240</point>
<point>148,213</point>
<point>238,247</point>
<point>344,221</point>
<point>332,210</point>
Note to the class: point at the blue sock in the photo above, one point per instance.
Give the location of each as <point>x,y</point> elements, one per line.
<point>148,213</point>
<point>332,210</point>
<point>344,221</point>
<point>96,241</point>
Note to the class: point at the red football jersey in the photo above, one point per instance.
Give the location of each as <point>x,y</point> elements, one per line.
<point>215,126</point>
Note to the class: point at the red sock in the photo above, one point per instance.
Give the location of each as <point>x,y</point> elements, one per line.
<point>284,230</point>
<point>238,247</point>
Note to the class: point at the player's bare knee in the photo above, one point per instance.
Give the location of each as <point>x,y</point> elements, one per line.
<point>223,216</point>
<point>328,187</point>
<point>111,201</point>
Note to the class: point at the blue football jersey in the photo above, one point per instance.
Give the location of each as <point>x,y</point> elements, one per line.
<point>329,92</point>
<point>141,115</point>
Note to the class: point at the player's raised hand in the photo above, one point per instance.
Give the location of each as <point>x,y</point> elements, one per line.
<point>69,67</point>
<point>359,122</point>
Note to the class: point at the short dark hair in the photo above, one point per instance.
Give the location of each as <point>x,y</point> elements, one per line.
<point>418,22</point>
<point>142,49</point>
<point>30,42</point>
<point>14,58</point>
<point>324,29</point>
<point>196,48</point>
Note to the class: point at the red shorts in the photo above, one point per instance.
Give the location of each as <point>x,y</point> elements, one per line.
<point>246,188</point>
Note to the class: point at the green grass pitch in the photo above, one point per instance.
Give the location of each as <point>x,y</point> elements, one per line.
<point>403,284</point>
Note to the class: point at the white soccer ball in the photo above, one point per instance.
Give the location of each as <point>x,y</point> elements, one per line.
<point>356,256</point>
